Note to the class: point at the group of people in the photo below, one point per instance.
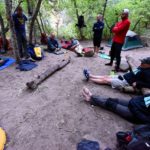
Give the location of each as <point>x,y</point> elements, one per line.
<point>136,110</point>
<point>119,33</point>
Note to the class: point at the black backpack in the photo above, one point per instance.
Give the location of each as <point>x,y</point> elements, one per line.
<point>138,139</point>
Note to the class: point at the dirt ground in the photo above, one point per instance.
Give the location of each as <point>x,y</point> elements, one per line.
<point>55,117</point>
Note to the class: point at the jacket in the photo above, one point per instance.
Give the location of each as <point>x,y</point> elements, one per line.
<point>141,76</point>
<point>120,30</point>
<point>137,106</point>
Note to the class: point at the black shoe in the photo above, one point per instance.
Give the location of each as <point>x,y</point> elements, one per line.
<point>108,64</point>
<point>117,70</point>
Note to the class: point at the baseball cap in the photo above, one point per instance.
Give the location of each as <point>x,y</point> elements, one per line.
<point>126,11</point>
<point>145,60</point>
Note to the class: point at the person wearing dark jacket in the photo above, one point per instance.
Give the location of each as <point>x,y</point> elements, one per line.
<point>119,30</point>
<point>19,20</point>
<point>98,30</point>
<point>52,43</point>
<point>139,78</point>
<point>136,110</point>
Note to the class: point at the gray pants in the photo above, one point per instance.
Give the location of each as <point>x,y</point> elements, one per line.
<point>22,45</point>
<point>118,106</point>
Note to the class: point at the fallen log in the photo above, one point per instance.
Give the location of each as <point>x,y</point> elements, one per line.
<point>133,65</point>
<point>34,84</point>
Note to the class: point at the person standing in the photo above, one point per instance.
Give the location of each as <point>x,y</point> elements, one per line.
<point>19,22</point>
<point>119,30</point>
<point>98,30</point>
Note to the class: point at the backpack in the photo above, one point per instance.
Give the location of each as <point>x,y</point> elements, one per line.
<point>35,52</point>
<point>88,52</point>
<point>138,139</point>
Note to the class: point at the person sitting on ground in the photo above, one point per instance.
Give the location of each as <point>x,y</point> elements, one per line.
<point>136,110</point>
<point>3,61</point>
<point>139,78</point>
<point>43,38</point>
<point>52,43</point>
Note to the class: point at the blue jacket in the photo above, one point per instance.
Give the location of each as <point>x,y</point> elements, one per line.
<point>98,29</point>
<point>140,110</point>
<point>19,23</point>
<point>141,76</point>
<point>53,44</point>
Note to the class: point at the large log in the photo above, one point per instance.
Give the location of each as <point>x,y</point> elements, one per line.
<point>34,84</point>
<point>133,65</point>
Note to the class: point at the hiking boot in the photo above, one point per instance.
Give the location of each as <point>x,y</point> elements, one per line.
<point>109,64</point>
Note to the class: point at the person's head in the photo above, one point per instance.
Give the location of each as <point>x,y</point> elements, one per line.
<point>125,14</point>
<point>99,17</point>
<point>19,10</point>
<point>52,35</point>
<point>145,63</point>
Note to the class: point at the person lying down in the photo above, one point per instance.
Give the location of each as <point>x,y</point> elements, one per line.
<point>75,46</point>
<point>135,110</point>
<point>139,78</point>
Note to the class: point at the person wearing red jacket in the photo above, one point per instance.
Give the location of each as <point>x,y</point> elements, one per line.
<point>119,30</point>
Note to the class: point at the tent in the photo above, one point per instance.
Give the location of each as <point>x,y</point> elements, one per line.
<point>132,41</point>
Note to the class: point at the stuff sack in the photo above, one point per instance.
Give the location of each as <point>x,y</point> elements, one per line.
<point>35,52</point>
<point>88,145</point>
<point>138,139</point>
<point>88,52</point>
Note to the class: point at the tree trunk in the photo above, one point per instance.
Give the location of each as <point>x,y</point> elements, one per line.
<point>30,10</point>
<point>34,84</point>
<point>42,24</point>
<point>34,16</point>
<point>77,14</point>
<point>39,25</point>
<point>8,4</point>
<point>3,33</point>
<point>105,6</point>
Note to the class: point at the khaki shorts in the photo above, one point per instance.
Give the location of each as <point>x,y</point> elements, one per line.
<point>116,83</point>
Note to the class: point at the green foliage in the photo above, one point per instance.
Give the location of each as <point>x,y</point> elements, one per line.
<point>65,11</point>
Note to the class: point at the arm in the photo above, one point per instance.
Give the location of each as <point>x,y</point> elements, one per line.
<point>120,28</point>
<point>144,80</point>
<point>50,44</point>
<point>25,18</point>
<point>58,44</point>
<point>99,28</point>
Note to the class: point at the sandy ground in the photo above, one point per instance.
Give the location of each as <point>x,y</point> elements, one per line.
<point>55,117</point>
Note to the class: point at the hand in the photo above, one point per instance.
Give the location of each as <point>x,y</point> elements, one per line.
<point>134,84</point>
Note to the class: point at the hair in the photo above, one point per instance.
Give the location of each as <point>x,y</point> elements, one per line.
<point>99,16</point>
<point>19,8</point>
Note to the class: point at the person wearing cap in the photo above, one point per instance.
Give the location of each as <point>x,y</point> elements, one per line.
<point>135,110</point>
<point>119,30</point>
<point>98,30</point>
<point>19,20</point>
<point>138,78</point>
<point>52,43</point>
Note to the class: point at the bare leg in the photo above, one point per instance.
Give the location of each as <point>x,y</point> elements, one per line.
<point>106,81</point>
<point>98,77</point>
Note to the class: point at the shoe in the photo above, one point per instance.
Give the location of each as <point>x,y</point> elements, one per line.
<point>86,74</point>
<point>108,64</point>
<point>117,70</point>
